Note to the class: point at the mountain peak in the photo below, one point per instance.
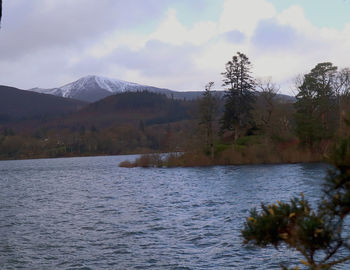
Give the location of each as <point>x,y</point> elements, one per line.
<point>90,77</point>
<point>93,87</point>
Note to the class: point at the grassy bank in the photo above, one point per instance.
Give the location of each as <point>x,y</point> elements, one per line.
<point>233,155</point>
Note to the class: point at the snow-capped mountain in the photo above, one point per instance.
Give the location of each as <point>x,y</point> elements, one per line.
<point>92,88</point>
<point>52,91</point>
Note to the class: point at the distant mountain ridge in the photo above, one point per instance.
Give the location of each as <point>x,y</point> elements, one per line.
<point>92,88</point>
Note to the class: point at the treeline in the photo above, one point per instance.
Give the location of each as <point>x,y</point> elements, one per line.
<point>131,122</point>
<point>120,139</point>
<point>250,124</point>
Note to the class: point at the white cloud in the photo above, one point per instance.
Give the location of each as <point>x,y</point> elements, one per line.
<point>202,32</point>
<point>172,31</point>
<point>116,39</point>
<point>244,15</point>
<point>294,16</point>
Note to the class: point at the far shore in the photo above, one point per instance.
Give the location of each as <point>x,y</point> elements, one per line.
<point>170,160</point>
<point>198,159</point>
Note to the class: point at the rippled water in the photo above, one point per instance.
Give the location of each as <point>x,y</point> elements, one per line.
<point>87,213</point>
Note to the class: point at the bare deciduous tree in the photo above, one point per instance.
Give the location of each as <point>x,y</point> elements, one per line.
<point>208,106</point>
<point>268,91</point>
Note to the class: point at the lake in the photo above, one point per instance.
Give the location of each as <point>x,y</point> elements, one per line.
<point>87,213</point>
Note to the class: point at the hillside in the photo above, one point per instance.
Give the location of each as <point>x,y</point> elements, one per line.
<point>16,104</point>
<point>131,108</point>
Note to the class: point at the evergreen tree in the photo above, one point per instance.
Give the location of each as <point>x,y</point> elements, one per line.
<point>315,103</point>
<point>239,97</point>
<point>320,235</point>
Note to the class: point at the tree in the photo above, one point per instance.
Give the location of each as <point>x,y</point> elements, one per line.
<point>315,104</point>
<point>266,105</point>
<point>208,107</point>
<point>239,97</point>
<point>0,9</point>
<point>342,91</point>
<point>318,235</point>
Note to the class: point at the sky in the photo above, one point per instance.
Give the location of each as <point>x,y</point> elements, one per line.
<point>175,44</point>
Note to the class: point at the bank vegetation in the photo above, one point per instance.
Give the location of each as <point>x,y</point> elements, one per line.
<point>253,124</point>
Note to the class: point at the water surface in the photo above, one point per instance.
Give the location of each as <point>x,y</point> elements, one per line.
<point>87,213</point>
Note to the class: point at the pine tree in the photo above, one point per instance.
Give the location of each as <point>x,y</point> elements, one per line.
<point>320,235</point>
<point>315,104</point>
<point>239,97</point>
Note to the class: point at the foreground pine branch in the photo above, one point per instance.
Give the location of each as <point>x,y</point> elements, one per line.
<point>317,234</point>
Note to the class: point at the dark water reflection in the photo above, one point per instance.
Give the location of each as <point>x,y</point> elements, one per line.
<point>87,213</point>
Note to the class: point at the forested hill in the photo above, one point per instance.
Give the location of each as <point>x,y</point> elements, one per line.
<point>131,108</point>
<point>16,104</point>
<point>130,122</point>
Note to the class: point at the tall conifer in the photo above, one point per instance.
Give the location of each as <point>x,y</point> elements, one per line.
<point>239,97</point>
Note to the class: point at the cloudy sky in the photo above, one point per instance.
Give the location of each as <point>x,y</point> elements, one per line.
<point>175,44</point>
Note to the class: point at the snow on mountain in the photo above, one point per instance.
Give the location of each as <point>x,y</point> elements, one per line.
<point>52,91</point>
<point>92,88</point>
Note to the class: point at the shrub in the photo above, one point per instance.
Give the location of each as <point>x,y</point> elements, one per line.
<point>317,234</point>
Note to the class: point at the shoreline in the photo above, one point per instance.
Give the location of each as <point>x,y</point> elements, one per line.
<point>189,159</point>
<point>213,163</point>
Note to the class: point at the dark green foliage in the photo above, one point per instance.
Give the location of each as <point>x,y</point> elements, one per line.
<point>239,97</point>
<point>337,187</point>
<point>249,140</point>
<point>276,223</point>
<point>315,104</point>
<point>317,234</point>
